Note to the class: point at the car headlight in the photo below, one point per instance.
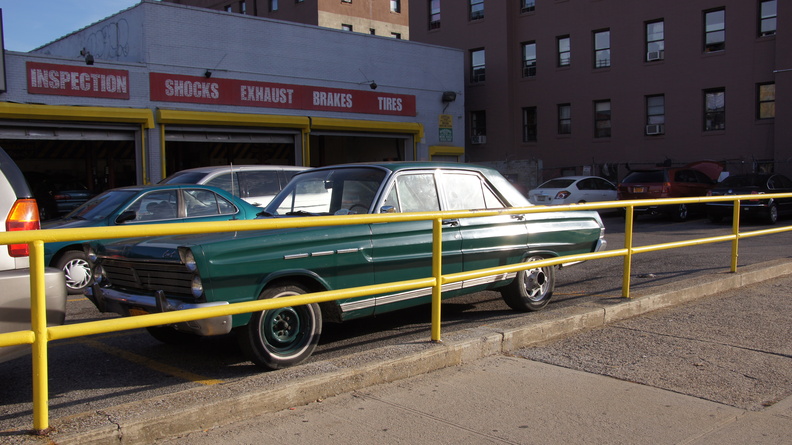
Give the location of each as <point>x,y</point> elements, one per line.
<point>98,275</point>
<point>90,253</point>
<point>188,259</point>
<point>196,287</point>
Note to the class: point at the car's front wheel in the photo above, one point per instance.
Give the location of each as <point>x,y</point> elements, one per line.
<point>278,338</point>
<point>77,270</point>
<point>772,214</point>
<point>680,213</point>
<point>532,289</point>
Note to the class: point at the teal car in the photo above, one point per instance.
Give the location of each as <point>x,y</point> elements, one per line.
<point>180,272</point>
<point>152,204</point>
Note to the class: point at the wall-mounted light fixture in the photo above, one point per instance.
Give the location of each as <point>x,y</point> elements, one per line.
<point>89,58</point>
<point>373,85</point>
<point>448,96</point>
<point>207,74</point>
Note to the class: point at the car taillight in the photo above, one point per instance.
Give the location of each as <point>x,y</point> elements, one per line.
<point>24,215</point>
<point>562,195</point>
<point>754,192</point>
<point>666,189</point>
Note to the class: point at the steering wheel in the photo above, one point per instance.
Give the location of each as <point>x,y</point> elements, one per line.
<point>360,206</point>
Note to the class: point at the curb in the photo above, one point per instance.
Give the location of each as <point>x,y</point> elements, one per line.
<point>197,409</point>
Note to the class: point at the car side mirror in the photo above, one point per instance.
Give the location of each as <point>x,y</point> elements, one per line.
<point>128,215</point>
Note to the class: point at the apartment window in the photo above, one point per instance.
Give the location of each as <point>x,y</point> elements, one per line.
<point>767,18</point>
<point>529,124</point>
<point>564,51</point>
<point>229,8</point>
<point>766,100</point>
<point>346,1</point>
<point>298,1</point>
<point>395,5</point>
<point>715,30</point>
<point>477,68</point>
<point>476,9</point>
<point>602,53</point>
<point>529,59</point>
<point>396,35</point>
<point>273,5</point>
<point>346,27</point>
<point>715,109</point>
<point>242,7</point>
<point>564,119</point>
<point>434,14</point>
<point>655,41</point>
<point>478,125</point>
<point>655,115</point>
<point>372,31</point>
<point>527,5</point>
<point>602,119</point>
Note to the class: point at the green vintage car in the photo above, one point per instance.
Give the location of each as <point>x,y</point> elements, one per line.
<point>178,272</point>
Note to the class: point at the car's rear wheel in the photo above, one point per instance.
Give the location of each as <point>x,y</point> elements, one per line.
<point>532,289</point>
<point>77,270</point>
<point>278,338</point>
<point>680,213</point>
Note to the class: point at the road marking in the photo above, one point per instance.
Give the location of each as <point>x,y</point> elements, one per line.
<point>152,364</point>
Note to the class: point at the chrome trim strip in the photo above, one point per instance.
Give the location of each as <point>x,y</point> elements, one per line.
<point>295,256</point>
<point>324,253</point>
<point>350,250</point>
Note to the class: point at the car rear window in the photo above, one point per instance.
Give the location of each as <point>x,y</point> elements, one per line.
<point>557,184</point>
<point>184,178</point>
<point>645,176</point>
<point>744,181</point>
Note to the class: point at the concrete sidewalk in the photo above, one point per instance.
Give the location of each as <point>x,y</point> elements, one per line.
<point>520,399</point>
<point>509,400</point>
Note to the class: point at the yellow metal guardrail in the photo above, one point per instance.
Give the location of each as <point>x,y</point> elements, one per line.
<point>39,335</point>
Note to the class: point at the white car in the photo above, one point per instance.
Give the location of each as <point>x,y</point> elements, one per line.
<point>573,190</point>
<point>256,184</point>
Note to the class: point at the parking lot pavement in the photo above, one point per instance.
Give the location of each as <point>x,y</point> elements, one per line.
<point>478,386</point>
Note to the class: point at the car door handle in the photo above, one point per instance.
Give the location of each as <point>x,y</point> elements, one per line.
<point>518,217</point>
<point>451,222</point>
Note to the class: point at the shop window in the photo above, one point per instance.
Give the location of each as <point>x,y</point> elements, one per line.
<point>715,109</point>
<point>714,30</point>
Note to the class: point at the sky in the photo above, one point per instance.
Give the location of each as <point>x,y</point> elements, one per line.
<point>29,24</point>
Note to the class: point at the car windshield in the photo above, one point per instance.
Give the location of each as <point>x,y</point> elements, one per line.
<point>103,205</point>
<point>557,184</point>
<point>329,192</point>
<point>645,176</point>
<point>743,181</point>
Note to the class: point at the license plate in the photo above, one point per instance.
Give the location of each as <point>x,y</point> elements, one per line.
<point>540,198</point>
<point>639,189</point>
<point>134,311</point>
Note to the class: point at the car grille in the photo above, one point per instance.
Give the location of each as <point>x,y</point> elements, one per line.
<point>172,278</point>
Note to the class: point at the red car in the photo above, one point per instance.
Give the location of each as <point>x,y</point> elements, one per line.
<point>695,179</point>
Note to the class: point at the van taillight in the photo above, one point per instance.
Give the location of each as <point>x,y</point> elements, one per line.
<point>24,215</point>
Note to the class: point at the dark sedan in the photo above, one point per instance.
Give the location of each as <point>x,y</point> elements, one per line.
<point>752,184</point>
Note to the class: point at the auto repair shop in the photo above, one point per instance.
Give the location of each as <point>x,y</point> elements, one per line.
<point>161,87</point>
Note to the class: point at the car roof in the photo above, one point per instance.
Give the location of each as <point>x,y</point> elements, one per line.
<point>395,166</point>
<point>218,168</point>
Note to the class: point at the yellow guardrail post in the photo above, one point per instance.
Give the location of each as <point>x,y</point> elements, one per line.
<point>629,217</point>
<point>38,314</point>
<point>736,233</point>
<point>437,273</point>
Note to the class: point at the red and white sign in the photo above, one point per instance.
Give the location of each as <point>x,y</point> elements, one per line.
<point>76,80</point>
<point>200,90</point>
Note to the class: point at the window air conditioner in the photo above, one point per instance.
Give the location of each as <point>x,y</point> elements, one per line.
<point>478,139</point>
<point>655,129</point>
<point>654,55</point>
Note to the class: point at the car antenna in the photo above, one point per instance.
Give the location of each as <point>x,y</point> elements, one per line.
<point>231,164</point>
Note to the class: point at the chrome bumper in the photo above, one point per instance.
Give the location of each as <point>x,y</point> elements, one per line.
<point>111,300</point>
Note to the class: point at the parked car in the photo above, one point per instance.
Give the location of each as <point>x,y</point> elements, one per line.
<point>19,211</point>
<point>256,184</point>
<point>138,205</point>
<point>573,190</point>
<point>180,272</point>
<point>695,179</point>
<point>752,184</point>
<point>60,193</point>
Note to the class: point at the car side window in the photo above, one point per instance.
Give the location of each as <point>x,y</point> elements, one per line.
<point>226,182</point>
<point>586,184</point>
<point>782,182</point>
<point>466,191</point>
<point>414,193</point>
<point>200,202</point>
<point>156,205</point>
<point>259,183</point>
